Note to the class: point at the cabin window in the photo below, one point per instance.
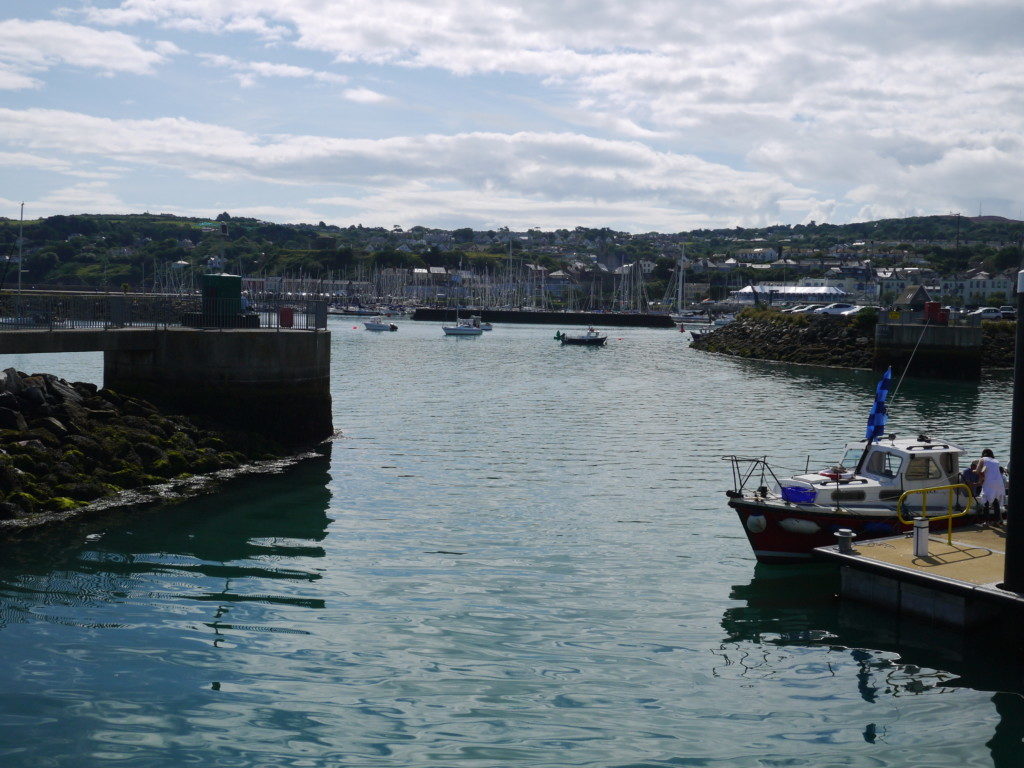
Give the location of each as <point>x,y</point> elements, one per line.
<point>923,468</point>
<point>884,464</point>
<point>889,495</point>
<point>848,496</point>
<point>948,463</point>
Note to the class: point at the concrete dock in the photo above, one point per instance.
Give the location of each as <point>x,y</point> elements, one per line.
<point>956,583</point>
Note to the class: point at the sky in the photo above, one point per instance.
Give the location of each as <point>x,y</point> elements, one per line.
<point>639,115</point>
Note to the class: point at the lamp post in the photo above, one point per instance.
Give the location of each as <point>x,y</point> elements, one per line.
<point>21,240</point>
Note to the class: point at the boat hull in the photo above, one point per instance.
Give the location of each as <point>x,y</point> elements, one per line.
<point>585,342</point>
<point>458,331</point>
<point>781,533</point>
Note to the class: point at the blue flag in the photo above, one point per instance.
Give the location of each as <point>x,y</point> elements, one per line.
<point>879,415</point>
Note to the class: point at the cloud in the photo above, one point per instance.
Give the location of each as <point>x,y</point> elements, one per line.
<point>30,47</point>
<point>365,96</point>
<point>247,72</point>
<point>545,168</point>
<point>52,164</point>
<point>87,197</point>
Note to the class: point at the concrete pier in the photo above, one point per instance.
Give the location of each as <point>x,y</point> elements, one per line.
<point>934,351</point>
<point>273,382</point>
<point>956,583</point>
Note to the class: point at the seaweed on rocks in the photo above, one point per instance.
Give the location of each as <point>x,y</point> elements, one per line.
<point>66,448</point>
<point>762,334</point>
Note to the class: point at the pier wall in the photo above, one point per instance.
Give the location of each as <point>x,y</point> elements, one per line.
<point>604,319</point>
<point>276,383</point>
<point>934,351</point>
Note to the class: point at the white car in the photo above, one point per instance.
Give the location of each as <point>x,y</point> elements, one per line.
<point>836,308</point>
<point>986,313</point>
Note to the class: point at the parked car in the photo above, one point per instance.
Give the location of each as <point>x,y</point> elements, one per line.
<point>986,313</point>
<point>795,309</point>
<point>857,310</point>
<point>1009,313</point>
<point>836,308</point>
<point>806,309</point>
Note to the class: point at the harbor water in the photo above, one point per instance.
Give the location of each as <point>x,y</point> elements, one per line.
<point>517,554</point>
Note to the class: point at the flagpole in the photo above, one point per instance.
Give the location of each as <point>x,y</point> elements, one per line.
<point>877,418</point>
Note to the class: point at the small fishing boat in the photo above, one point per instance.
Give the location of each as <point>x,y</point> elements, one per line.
<point>589,339</point>
<point>879,486</point>
<point>465,327</point>
<point>379,324</point>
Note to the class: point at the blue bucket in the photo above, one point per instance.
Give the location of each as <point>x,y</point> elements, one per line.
<point>797,495</point>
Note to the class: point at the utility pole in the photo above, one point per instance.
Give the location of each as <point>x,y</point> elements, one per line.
<point>21,240</point>
<point>958,231</point>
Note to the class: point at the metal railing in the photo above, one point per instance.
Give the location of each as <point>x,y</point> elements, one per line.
<point>953,497</point>
<point>19,311</point>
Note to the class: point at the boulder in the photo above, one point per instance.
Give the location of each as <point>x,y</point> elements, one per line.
<point>12,381</point>
<point>51,425</point>
<point>12,419</point>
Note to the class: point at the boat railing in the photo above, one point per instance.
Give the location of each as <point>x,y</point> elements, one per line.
<point>745,468</point>
<point>953,501</point>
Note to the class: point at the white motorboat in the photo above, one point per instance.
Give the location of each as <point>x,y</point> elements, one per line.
<point>379,324</point>
<point>877,488</point>
<point>466,327</point>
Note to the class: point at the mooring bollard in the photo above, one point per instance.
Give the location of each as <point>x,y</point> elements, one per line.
<point>920,537</point>
<point>845,536</point>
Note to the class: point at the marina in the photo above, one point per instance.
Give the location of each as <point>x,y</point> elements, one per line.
<point>466,586</point>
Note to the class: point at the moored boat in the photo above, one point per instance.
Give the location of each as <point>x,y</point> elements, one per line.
<point>879,486</point>
<point>379,324</point>
<point>589,339</point>
<point>465,327</point>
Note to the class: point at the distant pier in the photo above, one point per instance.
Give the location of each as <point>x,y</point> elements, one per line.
<point>607,319</point>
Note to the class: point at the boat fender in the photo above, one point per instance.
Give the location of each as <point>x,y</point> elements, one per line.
<point>756,523</point>
<point>795,525</point>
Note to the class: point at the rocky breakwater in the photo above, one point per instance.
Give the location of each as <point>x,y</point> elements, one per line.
<point>66,448</point>
<point>998,339</point>
<point>763,334</point>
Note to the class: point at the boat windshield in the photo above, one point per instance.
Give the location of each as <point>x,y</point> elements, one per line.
<point>851,457</point>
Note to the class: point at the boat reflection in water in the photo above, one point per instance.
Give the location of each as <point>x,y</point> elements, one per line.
<point>788,608</point>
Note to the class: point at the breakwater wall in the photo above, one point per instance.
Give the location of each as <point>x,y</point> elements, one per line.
<point>67,447</point>
<point>766,335</point>
<point>856,342</point>
<point>606,319</point>
<point>276,383</point>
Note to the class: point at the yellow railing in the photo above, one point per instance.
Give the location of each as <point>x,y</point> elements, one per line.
<point>952,494</point>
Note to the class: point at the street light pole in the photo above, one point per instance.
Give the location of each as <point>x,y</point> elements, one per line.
<point>21,226</point>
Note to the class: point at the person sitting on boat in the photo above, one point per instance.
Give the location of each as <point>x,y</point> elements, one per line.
<point>971,477</point>
<point>993,486</point>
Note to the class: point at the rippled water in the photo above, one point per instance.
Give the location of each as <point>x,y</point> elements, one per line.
<point>518,554</point>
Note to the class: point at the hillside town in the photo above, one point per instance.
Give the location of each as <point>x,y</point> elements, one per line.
<point>960,261</point>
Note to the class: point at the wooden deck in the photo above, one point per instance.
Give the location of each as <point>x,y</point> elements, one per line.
<point>955,583</point>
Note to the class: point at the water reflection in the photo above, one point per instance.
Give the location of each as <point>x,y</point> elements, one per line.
<point>791,607</point>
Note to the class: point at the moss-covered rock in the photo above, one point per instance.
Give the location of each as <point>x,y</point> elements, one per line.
<point>27,503</point>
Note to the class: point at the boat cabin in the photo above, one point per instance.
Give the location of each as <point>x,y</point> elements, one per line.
<point>890,467</point>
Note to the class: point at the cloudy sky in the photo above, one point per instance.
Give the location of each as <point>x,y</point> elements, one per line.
<point>635,114</point>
